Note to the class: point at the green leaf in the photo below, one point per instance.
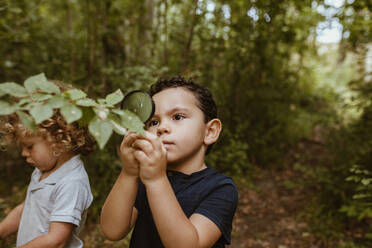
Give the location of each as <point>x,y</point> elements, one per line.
<point>119,129</point>
<point>366,181</point>
<point>26,120</point>
<point>361,196</point>
<point>31,83</point>
<point>56,102</point>
<point>353,178</point>
<point>23,102</point>
<point>102,112</point>
<point>50,87</point>
<point>5,108</point>
<point>75,94</point>
<point>114,98</point>
<point>2,93</point>
<point>13,89</point>
<point>116,124</point>
<point>71,113</point>
<point>30,105</point>
<point>101,101</point>
<point>101,131</point>
<point>41,112</point>
<point>119,112</point>
<point>132,122</point>
<point>86,102</point>
<point>40,97</point>
<point>41,82</point>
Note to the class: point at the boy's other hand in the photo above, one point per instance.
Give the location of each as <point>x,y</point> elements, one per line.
<point>126,154</point>
<point>152,157</point>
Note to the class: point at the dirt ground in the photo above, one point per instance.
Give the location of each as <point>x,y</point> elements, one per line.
<point>272,213</point>
<point>268,215</point>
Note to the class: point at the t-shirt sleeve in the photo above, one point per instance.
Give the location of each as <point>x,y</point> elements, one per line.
<point>71,199</point>
<point>219,206</point>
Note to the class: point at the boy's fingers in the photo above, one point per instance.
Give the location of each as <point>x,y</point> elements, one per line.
<point>141,157</point>
<point>154,140</point>
<point>143,145</point>
<point>128,140</point>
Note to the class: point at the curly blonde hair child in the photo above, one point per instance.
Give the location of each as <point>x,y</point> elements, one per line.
<point>61,135</point>
<point>59,193</point>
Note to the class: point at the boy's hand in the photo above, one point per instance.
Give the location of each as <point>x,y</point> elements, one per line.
<point>126,154</point>
<point>152,158</point>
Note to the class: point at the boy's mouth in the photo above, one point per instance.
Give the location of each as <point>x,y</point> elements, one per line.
<point>29,161</point>
<point>167,143</point>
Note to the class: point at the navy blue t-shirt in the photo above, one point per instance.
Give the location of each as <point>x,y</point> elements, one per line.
<point>206,192</point>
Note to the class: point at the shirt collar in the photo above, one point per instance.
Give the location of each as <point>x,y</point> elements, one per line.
<point>178,174</point>
<point>57,175</point>
<point>64,170</point>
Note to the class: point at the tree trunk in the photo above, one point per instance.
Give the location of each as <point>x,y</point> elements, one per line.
<point>145,32</point>
<point>165,48</point>
<point>191,35</point>
<point>92,40</point>
<point>71,40</point>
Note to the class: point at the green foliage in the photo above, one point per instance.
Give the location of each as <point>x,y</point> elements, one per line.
<point>39,97</point>
<point>343,187</point>
<point>230,155</point>
<point>344,203</point>
<point>361,205</point>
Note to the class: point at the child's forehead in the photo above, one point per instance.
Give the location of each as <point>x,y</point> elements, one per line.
<point>176,95</point>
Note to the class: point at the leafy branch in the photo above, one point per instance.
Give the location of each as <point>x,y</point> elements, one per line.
<point>38,97</point>
<point>361,206</point>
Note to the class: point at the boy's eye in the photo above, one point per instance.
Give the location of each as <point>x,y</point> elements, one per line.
<point>152,123</point>
<point>178,117</point>
<point>28,147</point>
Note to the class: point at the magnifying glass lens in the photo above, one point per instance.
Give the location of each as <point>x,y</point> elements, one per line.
<point>140,103</point>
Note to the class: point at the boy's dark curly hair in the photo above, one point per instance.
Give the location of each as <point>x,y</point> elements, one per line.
<point>204,97</point>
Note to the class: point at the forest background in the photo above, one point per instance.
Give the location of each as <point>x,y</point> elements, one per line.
<point>276,86</point>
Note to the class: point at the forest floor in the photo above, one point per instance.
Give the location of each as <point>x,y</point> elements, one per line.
<point>272,213</point>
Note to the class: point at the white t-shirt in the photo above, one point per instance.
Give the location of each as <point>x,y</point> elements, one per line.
<point>64,196</point>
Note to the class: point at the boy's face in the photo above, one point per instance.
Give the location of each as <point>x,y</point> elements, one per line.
<point>179,123</point>
<point>38,153</point>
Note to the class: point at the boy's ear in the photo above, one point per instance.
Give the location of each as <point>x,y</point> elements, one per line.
<point>212,131</point>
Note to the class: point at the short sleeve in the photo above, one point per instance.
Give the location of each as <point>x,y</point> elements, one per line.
<point>71,199</point>
<point>219,206</point>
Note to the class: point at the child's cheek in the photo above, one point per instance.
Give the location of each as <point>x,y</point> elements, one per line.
<point>151,134</point>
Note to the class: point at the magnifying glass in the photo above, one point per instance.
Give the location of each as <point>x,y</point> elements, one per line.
<point>140,103</point>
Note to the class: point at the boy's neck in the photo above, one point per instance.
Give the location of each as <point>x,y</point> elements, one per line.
<point>189,165</point>
<point>63,158</point>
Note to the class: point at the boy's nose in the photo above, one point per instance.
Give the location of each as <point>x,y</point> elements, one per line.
<point>24,152</point>
<point>162,129</point>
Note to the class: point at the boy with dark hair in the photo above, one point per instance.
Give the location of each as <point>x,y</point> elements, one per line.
<point>165,189</point>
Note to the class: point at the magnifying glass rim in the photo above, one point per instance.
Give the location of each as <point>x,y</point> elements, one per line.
<point>142,91</point>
